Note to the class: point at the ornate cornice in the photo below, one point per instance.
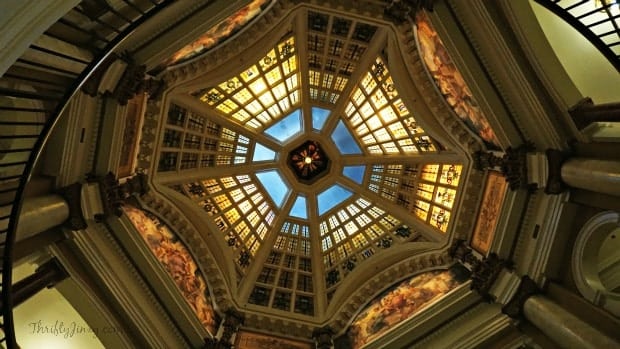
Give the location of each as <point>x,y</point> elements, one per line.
<point>469,330</point>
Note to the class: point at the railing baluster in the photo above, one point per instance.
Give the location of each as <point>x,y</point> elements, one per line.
<point>58,54</point>
<point>589,19</point>
<point>53,87</point>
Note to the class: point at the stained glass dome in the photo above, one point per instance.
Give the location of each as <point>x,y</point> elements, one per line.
<point>308,160</point>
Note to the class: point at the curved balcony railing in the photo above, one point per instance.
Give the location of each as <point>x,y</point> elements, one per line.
<point>597,20</point>
<point>35,91</point>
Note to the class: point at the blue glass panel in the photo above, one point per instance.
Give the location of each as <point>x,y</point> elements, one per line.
<point>274,184</point>
<point>319,116</point>
<point>344,141</point>
<point>299,208</point>
<point>356,173</point>
<point>332,197</point>
<point>286,128</point>
<point>262,153</point>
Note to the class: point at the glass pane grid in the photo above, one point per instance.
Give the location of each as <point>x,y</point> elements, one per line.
<point>334,52</point>
<point>200,142</point>
<point>352,234</point>
<point>381,120</point>
<point>261,94</point>
<point>238,209</point>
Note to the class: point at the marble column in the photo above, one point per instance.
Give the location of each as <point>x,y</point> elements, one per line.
<point>41,213</point>
<point>564,328</point>
<point>601,176</point>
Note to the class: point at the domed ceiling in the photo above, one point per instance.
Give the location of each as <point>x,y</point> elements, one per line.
<point>308,156</point>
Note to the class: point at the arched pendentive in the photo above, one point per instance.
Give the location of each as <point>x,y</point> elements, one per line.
<point>402,301</point>
<point>172,253</point>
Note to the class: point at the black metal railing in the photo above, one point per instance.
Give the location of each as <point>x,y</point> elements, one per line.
<point>35,91</point>
<point>597,20</point>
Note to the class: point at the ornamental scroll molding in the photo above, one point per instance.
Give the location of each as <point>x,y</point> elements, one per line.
<point>366,292</point>
<point>148,136</point>
<point>279,326</point>
<point>195,243</point>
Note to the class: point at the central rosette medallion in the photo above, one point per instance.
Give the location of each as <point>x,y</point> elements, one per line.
<point>308,161</point>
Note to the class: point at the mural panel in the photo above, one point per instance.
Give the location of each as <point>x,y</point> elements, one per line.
<point>217,34</point>
<point>179,264</point>
<point>402,301</point>
<point>253,340</point>
<point>492,201</point>
<point>450,82</point>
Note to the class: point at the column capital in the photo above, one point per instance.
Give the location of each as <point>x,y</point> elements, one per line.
<point>400,11</point>
<point>113,194</point>
<point>484,272</point>
<point>120,76</point>
<point>232,321</point>
<point>527,288</point>
<point>512,164</point>
<point>323,337</point>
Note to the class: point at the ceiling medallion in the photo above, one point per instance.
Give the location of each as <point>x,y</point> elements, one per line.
<point>308,161</point>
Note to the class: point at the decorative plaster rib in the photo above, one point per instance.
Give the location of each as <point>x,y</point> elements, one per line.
<point>123,281</point>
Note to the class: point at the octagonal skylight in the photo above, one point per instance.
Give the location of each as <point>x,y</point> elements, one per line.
<point>386,180</point>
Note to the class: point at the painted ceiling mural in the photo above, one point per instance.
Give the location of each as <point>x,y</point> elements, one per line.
<point>178,262</point>
<point>450,81</point>
<point>400,302</point>
<point>217,34</point>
